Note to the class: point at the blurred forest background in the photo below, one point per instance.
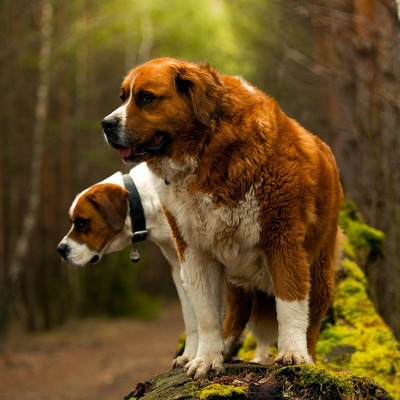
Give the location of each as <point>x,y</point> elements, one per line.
<point>334,66</point>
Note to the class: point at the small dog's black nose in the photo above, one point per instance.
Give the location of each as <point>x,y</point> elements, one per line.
<point>109,124</point>
<point>63,250</point>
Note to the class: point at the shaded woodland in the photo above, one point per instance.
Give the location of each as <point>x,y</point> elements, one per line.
<point>334,66</point>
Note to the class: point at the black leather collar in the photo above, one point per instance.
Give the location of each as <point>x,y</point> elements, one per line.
<point>139,231</point>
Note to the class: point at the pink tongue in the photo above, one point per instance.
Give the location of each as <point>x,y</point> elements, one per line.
<point>124,152</point>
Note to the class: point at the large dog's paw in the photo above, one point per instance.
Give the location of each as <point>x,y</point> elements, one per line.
<point>180,361</point>
<point>292,357</point>
<point>200,366</point>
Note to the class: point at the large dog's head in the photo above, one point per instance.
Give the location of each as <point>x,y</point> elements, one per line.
<point>98,217</point>
<point>167,107</point>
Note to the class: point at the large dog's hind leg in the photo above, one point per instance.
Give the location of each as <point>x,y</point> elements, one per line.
<point>290,272</point>
<point>264,326</point>
<point>238,309</point>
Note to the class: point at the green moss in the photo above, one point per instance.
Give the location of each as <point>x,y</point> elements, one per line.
<point>181,345</point>
<point>306,381</point>
<point>216,391</point>
<point>246,351</point>
<point>364,243</point>
<point>359,340</point>
<point>317,381</point>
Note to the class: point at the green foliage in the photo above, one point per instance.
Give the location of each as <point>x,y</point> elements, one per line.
<point>208,36</point>
<point>174,28</point>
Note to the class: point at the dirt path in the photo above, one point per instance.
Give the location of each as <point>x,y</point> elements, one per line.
<point>92,359</point>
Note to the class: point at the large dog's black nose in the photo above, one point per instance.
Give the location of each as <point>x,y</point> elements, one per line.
<point>63,249</point>
<point>109,124</point>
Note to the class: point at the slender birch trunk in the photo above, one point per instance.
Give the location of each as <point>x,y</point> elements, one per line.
<point>19,256</point>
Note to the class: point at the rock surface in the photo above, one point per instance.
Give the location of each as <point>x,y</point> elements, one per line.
<point>243,381</point>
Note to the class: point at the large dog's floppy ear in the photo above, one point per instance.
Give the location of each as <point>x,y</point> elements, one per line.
<point>202,85</point>
<point>112,204</point>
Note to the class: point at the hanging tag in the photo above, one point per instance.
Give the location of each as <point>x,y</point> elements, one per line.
<point>134,255</point>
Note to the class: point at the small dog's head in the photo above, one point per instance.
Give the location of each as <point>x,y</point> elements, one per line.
<point>98,217</point>
<point>167,106</point>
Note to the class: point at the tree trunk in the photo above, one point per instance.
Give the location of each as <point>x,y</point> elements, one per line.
<point>357,43</point>
<point>21,249</point>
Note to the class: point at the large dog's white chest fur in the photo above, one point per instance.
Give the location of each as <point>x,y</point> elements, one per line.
<point>229,235</point>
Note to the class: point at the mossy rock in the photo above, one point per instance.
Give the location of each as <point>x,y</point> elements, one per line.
<point>243,381</point>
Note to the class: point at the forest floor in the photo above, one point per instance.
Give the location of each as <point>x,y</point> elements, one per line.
<point>100,359</point>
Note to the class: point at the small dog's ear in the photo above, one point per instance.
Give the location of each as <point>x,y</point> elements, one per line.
<point>112,204</point>
<point>202,85</point>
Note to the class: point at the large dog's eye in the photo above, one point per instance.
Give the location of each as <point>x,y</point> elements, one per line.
<point>145,98</point>
<point>81,224</point>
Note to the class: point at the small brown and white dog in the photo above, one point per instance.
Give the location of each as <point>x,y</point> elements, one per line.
<point>251,196</point>
<point>108,216</point>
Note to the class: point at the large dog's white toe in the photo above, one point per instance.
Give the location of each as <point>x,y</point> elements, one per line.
<point>201,366</point>
<point>292,358</point>
<point>180,361</point>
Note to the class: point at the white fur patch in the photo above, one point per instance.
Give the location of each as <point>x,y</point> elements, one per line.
<point>79,253</point>
<point>248,86</point>
<point>121,112</point>
<point>228,234</point>
<point>293,324</point>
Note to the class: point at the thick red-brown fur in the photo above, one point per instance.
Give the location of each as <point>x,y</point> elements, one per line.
<point>241,139</point>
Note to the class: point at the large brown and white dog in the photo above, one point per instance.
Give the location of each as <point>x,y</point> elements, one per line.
<point>252,197</point>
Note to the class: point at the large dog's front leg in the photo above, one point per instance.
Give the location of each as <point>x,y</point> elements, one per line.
<point>205,285</point>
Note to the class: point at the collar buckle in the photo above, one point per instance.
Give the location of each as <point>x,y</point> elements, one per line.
<point>139,236</point>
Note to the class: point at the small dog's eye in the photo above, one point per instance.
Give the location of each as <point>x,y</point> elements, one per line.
<point>122,95</point>
<point>145,98</point>
<point>81,224</point>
